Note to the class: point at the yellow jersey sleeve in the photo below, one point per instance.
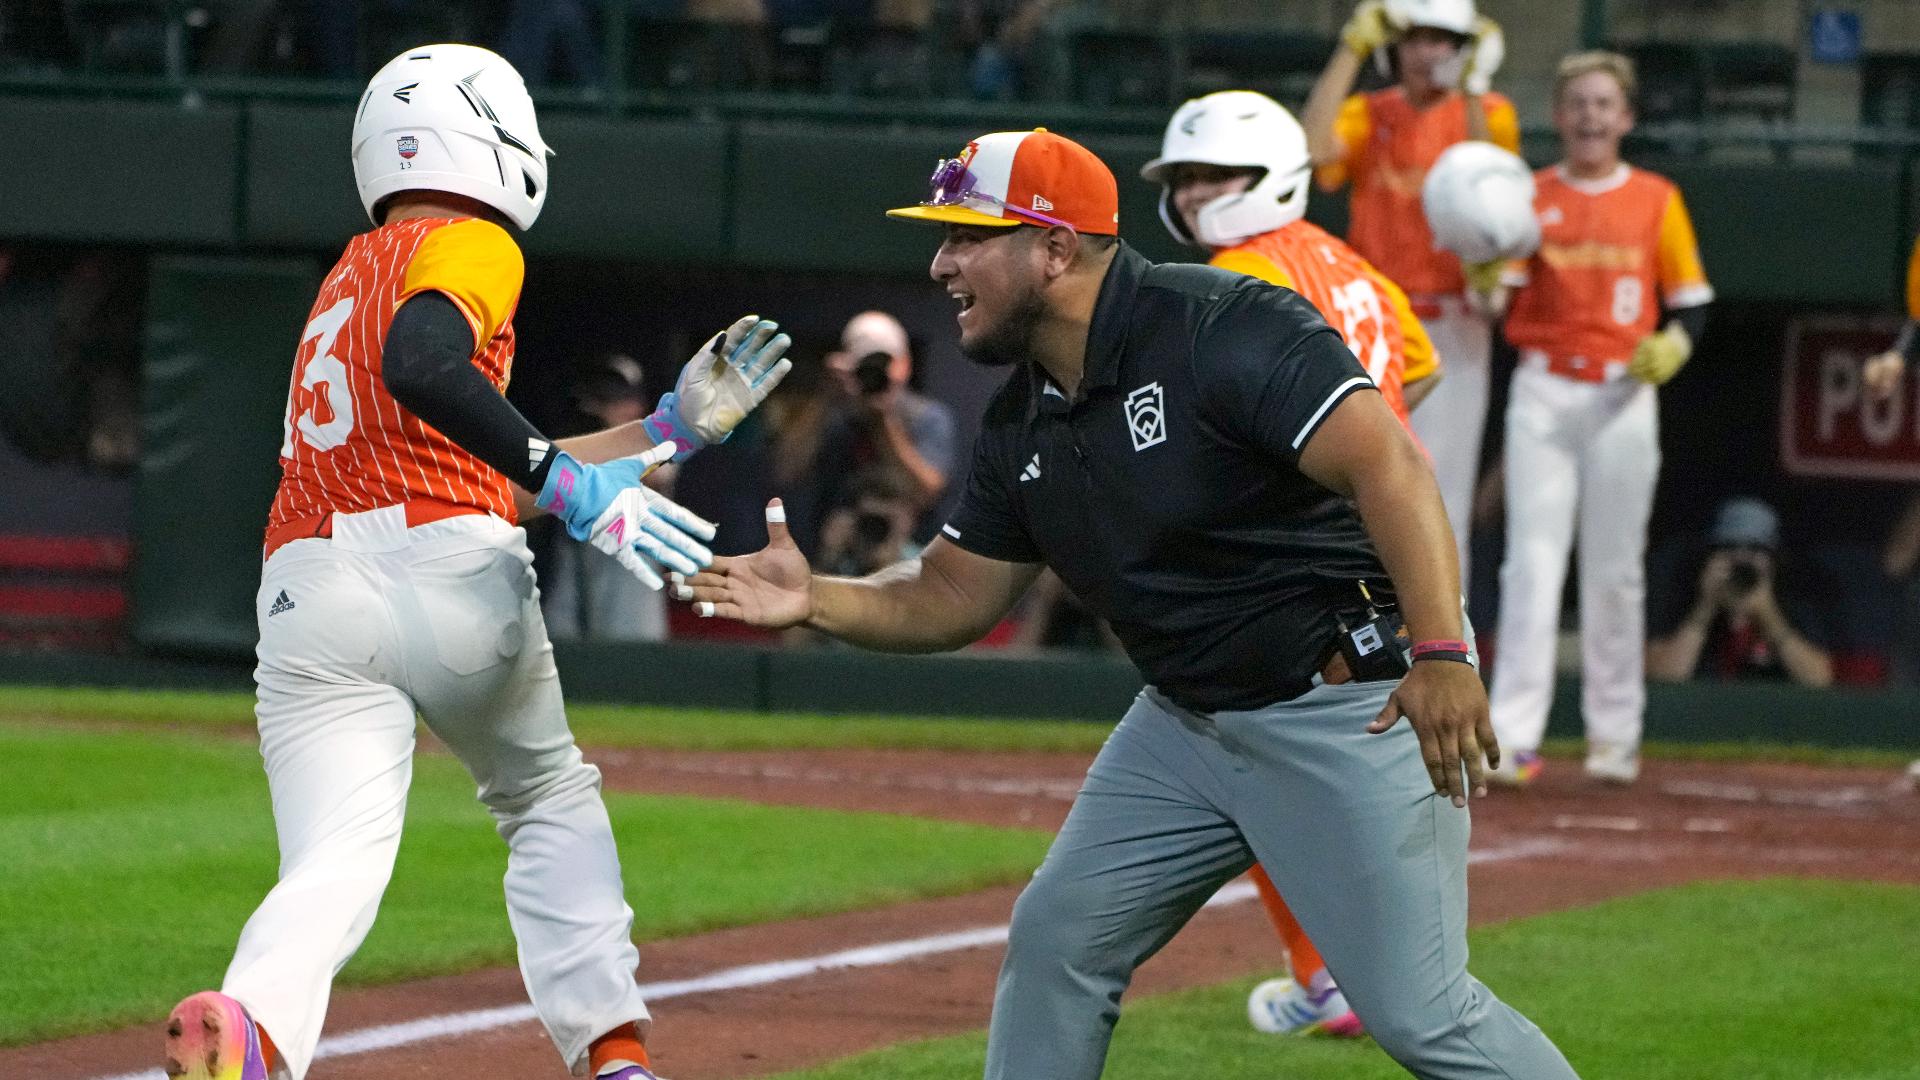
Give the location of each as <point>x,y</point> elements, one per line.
<point>1913,283</point>
<point>475,264</point>
<point>1418,358</point>
<point>1252,265</point>
<point>1503,123</point>
<point>1683,281</point>
<point>1351,129</point>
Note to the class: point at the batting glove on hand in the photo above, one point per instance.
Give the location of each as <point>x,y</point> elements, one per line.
<point>1367,28</point>
<point>720,386</point>
<point>1659,356</point>
<point>607,506</point>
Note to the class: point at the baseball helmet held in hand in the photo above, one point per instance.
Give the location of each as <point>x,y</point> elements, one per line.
<point>1479,203</point>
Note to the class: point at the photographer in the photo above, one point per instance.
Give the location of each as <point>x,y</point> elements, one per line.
<point>886,426</point>
<point>1737,628</point>
<point>872,533</point>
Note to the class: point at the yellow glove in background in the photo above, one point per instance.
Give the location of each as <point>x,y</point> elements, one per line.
<point>1367,28</point>
<point>1660,355</point>
<point>1484,55</point>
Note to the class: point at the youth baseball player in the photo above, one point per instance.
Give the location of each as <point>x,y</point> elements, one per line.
<point>1443,56</point>
<point>1234,175</point>
<point>1204,463</point>
<point>1607,310</point>
<point>395,581</point>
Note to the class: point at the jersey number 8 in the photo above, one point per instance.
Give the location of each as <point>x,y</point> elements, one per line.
<point>322,376</point>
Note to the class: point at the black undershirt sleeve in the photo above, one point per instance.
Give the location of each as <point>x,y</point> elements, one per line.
<point>1691,319</point>
<point>1908,345</point>
<point>427,364</point>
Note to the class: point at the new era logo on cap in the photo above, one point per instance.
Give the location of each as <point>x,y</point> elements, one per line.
<point>1012,178</point>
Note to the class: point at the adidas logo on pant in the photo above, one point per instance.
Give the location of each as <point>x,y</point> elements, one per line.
<point>280,603</point>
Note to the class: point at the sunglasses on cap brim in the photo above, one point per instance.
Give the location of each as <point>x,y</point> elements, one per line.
<point>953,184</point>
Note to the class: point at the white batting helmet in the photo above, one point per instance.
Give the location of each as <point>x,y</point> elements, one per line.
<point>451,118</point>
<point>1479,203</point>
<point>1235,128</point>
<point>1454,16</point>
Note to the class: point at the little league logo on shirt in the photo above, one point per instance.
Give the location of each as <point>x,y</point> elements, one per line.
<point>1147,416</point>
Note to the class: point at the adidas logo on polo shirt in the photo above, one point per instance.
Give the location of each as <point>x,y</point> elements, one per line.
<point>1032,471</point>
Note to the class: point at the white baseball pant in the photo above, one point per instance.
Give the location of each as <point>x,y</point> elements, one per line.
<point>1451,421</point>
<point>1585,452</point>
<point>376,622</point>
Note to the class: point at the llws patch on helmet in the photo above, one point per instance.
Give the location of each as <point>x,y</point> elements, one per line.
<point>1478,200</point>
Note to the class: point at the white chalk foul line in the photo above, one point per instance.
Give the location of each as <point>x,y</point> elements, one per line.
<point>429,1028</point>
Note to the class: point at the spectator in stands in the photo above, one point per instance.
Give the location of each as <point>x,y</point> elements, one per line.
<point>1737,626</point>
<point>1901,561</point>
<point>537,29</point>
<point>885,426</point>
<point>585,593</point>
<point>873,531</point>
<point>1003,35</point>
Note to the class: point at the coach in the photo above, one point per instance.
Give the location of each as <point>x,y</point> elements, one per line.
<point>1204,463</point>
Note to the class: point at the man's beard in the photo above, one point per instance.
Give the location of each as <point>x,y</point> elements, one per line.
<point>1011,341</point>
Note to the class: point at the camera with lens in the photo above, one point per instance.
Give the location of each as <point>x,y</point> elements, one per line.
<point>1744,575</point>
<point>870,373</point>
<point>871,528</point>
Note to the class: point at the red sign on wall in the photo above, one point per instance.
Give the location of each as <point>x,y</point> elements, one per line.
<point>1829,424</point>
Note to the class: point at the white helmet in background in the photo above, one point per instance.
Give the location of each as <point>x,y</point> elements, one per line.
<point>451,118</point>
<point>1236,129</point>
<point>1478,199</point>
<point>1454,16</point>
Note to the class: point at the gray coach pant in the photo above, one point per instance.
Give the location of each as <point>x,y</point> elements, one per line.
<point>1348,824</point>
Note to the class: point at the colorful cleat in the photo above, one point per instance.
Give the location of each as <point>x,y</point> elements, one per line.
<point>1284,1007</point>
<point>211,1037</point>
<point>624,1070</point>
<point>1521,767</point>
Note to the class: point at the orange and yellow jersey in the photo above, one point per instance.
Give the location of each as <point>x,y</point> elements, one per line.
<point>1369,310</point>
<point>1387,147</point>
<point>349,446</point>
<point>1913,283</point>
<point>1612,251</point>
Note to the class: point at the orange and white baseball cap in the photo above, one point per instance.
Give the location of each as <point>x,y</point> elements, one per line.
<point>1013,178</point>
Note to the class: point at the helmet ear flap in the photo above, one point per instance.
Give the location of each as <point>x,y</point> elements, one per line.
<point>1170,217</point>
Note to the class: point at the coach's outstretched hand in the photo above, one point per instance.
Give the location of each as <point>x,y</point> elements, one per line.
<point>772,587</point>
<point>1446,703</point>
<point>722,384</point>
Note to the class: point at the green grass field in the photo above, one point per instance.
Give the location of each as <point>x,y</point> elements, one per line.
<point>1776,980</point>
<point>722,729</point>
<point>132,859</point>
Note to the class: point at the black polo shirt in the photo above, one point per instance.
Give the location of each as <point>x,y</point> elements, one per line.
<point>1169,496</point>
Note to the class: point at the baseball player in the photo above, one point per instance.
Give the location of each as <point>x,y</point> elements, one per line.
<point>395,581</point>
<point>1443,56</point>
<point>1233,170</point>
<point>1883,373</point>
<point>1203,462</point>
<point>1583,444</point>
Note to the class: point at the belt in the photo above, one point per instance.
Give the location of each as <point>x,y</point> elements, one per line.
<point>320,526</point>
<point>1577,368</point>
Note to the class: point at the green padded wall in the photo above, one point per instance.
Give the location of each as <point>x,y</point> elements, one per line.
<point>119,171</point>
<point>220,340</point>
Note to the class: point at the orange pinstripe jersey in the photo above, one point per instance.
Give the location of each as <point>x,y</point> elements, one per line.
<point>348,445</point>
<point>1369,310</point>
<point>1388,147</point>
<point>1611,253</point>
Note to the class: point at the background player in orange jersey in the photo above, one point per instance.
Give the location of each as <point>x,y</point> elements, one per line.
<point>395,581</point>
<point>1443,56</point>
<point>1234,175</point>
<point>1583,441</point>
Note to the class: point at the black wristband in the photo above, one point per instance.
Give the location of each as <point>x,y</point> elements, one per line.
<point>1451,655</point>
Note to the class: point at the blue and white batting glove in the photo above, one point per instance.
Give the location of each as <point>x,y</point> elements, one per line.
<point>720,386</point>
<point>607,506</point>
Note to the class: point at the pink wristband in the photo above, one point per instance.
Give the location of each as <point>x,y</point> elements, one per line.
<point>1426,647</point>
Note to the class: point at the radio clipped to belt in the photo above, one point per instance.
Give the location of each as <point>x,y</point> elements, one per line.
<point>1376,649</point>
